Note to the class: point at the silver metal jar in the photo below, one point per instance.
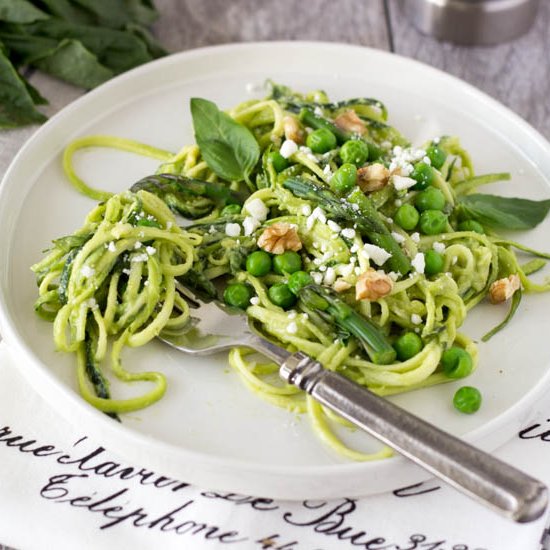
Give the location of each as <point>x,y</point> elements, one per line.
<point>472,22</point>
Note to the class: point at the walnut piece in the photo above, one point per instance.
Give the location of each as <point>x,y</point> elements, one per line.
<point>372,285</point>
<point>350,122</point>
<point>280,237</point>
<point>503,289</point>
<point>293,130</point>
<point>372,177</point>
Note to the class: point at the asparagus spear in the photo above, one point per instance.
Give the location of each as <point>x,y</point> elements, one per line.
<point>190,197</point>
<point>333,309</point>
<point>356,208</point>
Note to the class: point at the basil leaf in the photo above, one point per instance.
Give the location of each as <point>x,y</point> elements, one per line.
<point>229,148</point>
<point>503,212</point>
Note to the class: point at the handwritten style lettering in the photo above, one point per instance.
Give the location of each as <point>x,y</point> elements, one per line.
<point>533,432</point>
<point>331,522</point>
<point>111,507</point>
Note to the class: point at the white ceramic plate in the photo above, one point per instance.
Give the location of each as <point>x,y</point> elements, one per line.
<point>209,429</point>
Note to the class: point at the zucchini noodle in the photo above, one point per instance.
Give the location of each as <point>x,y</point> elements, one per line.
<point>114,280</point>
<point>112,283</point>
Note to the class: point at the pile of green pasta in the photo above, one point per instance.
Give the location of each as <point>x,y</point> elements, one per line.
<point>438,236</point>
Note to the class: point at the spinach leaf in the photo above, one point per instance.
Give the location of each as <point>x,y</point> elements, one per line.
<point>72,62</point>
<point>502,212</point>
<point>16,103</point>
<point>20,11</point>
<point>229,148</point>
<point>65,9</point>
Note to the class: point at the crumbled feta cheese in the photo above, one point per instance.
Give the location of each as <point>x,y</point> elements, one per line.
<point>169,225</point>
<point>232,229</point>
<point>317,214</point>
<point>358,270</point>
<point>292,328</point>
<point>348,233</point>
<point>398,237</point>
<point>87,271</point>
<point>402,182</point>
<point>126,271</point>
<point>334,227</point>
<point>427,160</point>
<point>140,258</point>
<point>327,171</point>
<point>288,148</point>
<point>377,254</point>
<point>322,268</point>
<point>257,209</point>
<point>292,314</point>
<point>138,244</point>
<point>111,247</point>
<point>415,237</point>
<point>438,247</point>
<point>250,224</point>
<point>454,259</point>
<point>150,250</point>
<point>330,276</point>
<point>91,303</point>
<point>317,277</point>
<point>254,300</point>
<point>318,111</point>
<point>393,275</point>
<point>212,229</point>
<point>309,154</point>
<point>346,269</point>
<point>398,202</point>
<point>306,210</point>
<point>355,206</point>
<point>419,263</point>
<point>416,319</point>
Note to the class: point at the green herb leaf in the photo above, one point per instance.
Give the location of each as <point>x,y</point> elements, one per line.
<point>20,11</point>
<point>16,103</point>
<point>72,62</point>
<point>229,148</point>
<point>514,304</point>
<point>503,212</point>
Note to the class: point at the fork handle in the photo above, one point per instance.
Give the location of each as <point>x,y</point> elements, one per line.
<point>470,470</point>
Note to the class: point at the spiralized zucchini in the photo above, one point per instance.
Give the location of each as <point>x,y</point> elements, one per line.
<point>94,287</point>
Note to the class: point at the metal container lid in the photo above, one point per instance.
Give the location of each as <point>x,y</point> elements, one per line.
<point>472,22</point>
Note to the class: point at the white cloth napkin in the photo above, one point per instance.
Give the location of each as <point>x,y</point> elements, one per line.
<point>52,496</point>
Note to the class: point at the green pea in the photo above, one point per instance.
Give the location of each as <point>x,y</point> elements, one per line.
<point>432,222</point>
<point>434,262</point>
<point>407,217</point>
<point>456,362</point>
<point>344,179</point>
<point>467,399</point>
<point>258,263</point>
<point>231,210</point>
<point>471,225</point>
<point>298,280</point>
<point>287,263</point>
<point>431,198</point>
<point>354,152</point>
<point>408,345</point>
<point>281,295</point>
<point>238,295</point>
<point>277,160</point>
<point>423,174</point>
<point>321,140</point>
<point>436,155</point>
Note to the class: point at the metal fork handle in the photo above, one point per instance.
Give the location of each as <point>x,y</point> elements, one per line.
<point>468,469</point>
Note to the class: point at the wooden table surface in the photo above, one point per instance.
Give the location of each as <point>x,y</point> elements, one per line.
<point>515,73</point>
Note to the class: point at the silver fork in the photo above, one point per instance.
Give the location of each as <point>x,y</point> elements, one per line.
<point>216,327</point>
